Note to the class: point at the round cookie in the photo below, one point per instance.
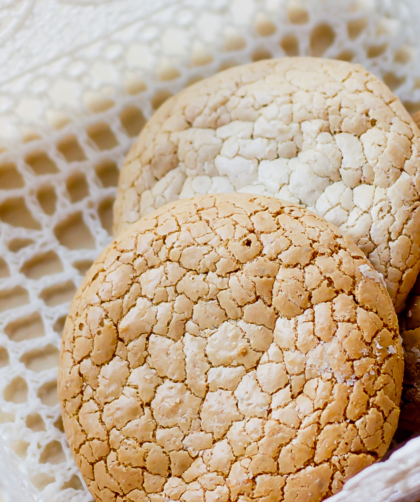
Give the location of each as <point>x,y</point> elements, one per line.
<point>229,348</point>
<point>325,134</point>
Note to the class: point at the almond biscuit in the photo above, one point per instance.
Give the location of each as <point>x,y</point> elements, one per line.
<point>325,134</point>
<point>229,347</point>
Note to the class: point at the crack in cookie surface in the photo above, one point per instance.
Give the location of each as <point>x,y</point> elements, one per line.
<point>225,348</point>
<point>325,134</point>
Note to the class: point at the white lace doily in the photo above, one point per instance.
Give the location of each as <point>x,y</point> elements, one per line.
<point>78,80</point>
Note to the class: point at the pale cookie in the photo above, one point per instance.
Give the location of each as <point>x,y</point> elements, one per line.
<point>325,134</point>
<point>229,348</point>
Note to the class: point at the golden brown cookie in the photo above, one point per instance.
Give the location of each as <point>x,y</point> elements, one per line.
<point>325,134</point>
<point>229,348</point>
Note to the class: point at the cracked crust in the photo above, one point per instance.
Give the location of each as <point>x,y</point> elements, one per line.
<point>229,348</point>
<point>325,134</point>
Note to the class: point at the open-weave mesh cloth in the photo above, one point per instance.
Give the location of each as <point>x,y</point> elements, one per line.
<point>78,80</point>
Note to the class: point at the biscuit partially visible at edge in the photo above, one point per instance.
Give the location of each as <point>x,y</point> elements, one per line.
<point>229,346</point>
<point>409,321</point>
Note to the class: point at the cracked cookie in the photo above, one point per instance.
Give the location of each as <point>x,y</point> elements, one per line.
<point>325,134</point>
<point>229,347</point>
